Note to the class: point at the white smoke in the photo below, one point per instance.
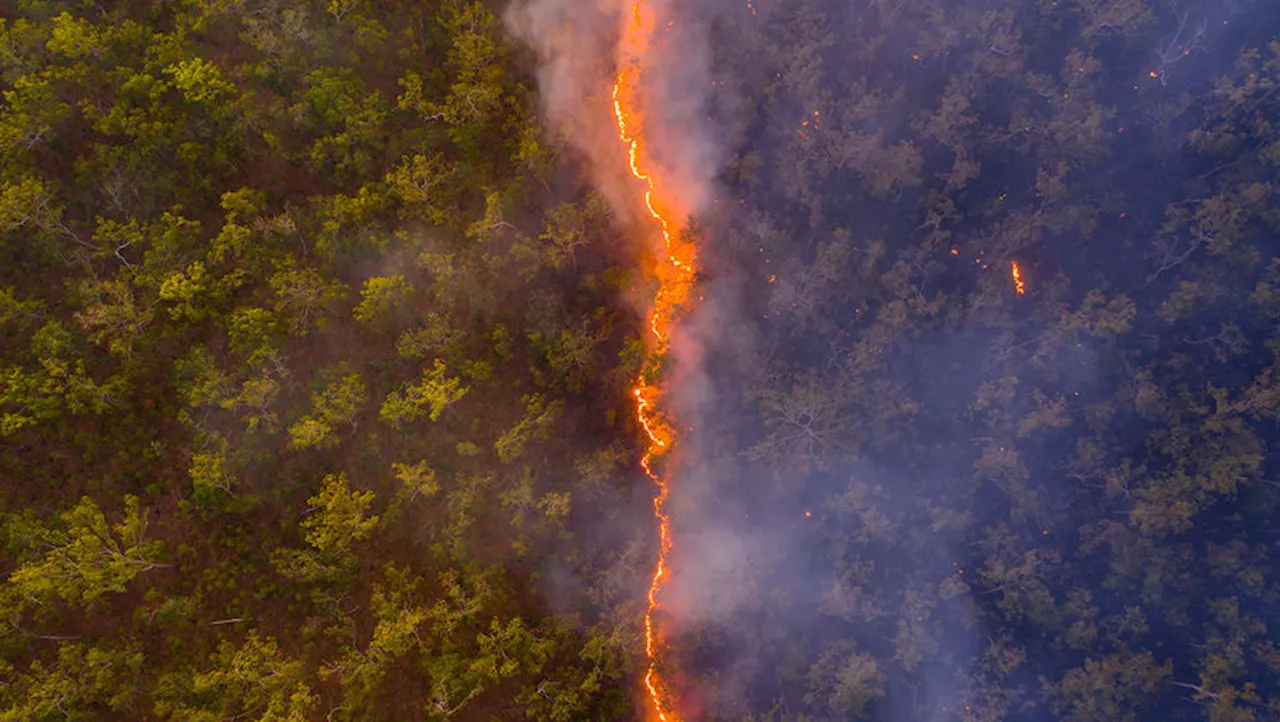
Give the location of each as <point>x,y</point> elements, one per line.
<point>577,43</point>
<point>577,46</point>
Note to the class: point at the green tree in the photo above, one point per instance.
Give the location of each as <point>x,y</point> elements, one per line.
<point>60,382</point>
<point>199,81</point>
<point>434,393</point>
<point>421,185</point>
<point>253,678</point>
<point>300,294</point>
<point>88,557</point>
<point>335,406</point>
<point>381,296</point>
<point>399,630</point>
<point>335,519</point>
<point>339,516</point>
<point>84,682</point>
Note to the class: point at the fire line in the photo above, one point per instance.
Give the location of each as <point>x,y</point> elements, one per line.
<point>675,275</point>
<point>1016,272</point>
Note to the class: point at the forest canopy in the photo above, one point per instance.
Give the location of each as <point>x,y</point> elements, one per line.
<point>317,343</point>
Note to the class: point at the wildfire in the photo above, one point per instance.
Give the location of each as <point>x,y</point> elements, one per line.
<point>1016,271</point>
<point>675,275</point>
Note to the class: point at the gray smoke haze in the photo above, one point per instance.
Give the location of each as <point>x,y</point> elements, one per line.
<point>716,562</point>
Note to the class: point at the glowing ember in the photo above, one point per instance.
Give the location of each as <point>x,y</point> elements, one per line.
<point>675,277</point>
<point>1016,272</point>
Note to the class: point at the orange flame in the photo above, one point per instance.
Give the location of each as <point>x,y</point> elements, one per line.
<point>1016,272</point>
<point>675,278</point>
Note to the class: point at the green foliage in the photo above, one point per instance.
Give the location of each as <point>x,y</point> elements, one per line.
<point>569,227</point>
<point>301,293</point>
<point>199,81</point>
<point>28,205</point>
<point>59,383</point>
<point>84,681</point>
<point>88,557</point>
<point>418,479</point>
<point>16,311</point>
<point>549,511</point>
<point>539,419</point>
<point>399,619</point>
<point>184,290</point>
<point>188,192</point>
<point>435,336</point>
<point>74,38</point>
<point>351,120</point>
<point>253,678</point>
<point>421,185</point>
<point>253,333</point>
<point>477,77</point>
<point>434,393</point>
<point>339,517</point>
<point>381,296</point>
<point>114,315</point>
<point>335,406</point>
<point>336,518</point>
<point>209,471</point>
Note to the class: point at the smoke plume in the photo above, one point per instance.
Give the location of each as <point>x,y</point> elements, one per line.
<point>577,44</point>
<point>583,50</point>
